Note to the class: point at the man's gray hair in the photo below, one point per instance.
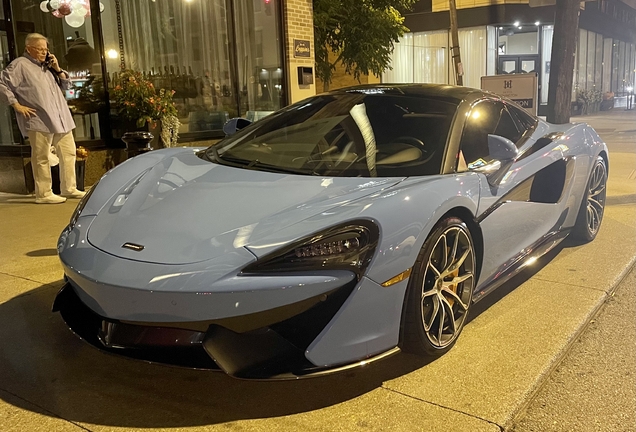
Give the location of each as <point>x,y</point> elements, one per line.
<point>34,37</point>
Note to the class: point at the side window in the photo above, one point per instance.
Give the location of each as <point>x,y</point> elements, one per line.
<point>525,122</point>
<point>482,120</point>
<point>507,127</point>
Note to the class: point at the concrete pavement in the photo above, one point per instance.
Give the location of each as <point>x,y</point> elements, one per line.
<point>50,380</point>
<point>594,388</point>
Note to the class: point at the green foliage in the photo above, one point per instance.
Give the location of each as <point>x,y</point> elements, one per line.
<point>137,99</point>
<point>361,34</point>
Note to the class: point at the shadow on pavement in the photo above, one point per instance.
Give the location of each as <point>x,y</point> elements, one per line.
<point>42,253</point>
<point>43,363</point>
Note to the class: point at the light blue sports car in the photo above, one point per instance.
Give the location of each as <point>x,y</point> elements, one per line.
<point>332,233</point>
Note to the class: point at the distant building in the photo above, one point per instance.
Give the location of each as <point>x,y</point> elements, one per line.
<point>515,36</point>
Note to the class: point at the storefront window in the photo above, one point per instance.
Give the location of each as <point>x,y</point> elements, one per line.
<point>546,52</point>
<point>259,59</point>
<point>591,61</point>
<point>473,52</point>
<point>607,65</point>
<point>186,46</point>
<point>8,134</point>
<point>401,70</point>
<point>621,84</point>
<point>421,57</point>
<point>70,36</point>
<point>581,54</point>
<point>181,46</point>
<point>430,52</point>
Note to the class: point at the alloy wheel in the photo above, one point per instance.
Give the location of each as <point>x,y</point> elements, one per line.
<point>596,197</point>
<point>448,286</point>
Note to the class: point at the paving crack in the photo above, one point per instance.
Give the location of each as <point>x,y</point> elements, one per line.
<point>44,410</point>
<point>501,428</point>
<point>567,284</point>
<point>26,279</point>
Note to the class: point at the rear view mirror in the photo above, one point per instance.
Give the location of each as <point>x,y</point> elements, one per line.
<point>234,125</point>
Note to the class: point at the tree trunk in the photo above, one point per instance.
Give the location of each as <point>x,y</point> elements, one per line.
<point>566,24</point>
<point>457,61</point>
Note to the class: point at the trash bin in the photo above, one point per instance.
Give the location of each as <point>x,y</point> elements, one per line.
<point>137,142</point>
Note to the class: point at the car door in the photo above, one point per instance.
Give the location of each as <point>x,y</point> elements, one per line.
<point>520,209</point>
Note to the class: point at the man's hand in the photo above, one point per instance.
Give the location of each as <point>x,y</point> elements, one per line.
<point>25,111</point>
<point>53,62</point>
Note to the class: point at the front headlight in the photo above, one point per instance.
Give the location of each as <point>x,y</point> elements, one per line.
<point>80,206</point>
<point>349,246</point>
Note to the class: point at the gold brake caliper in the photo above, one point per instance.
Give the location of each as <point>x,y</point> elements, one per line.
<point>453,286</point>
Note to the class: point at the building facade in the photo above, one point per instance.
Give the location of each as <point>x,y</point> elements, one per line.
<point>222,58</point>
<point>515,36</point>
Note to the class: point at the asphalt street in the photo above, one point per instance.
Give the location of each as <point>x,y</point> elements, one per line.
<point>553,350</point>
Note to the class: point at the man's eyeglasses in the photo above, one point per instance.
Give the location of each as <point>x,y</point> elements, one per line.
<point>41,50</point>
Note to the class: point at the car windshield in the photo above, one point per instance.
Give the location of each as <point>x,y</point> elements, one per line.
<point>349,134</point>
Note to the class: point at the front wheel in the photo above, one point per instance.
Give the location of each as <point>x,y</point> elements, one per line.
<point>588,221</point>
<point>440,290</point>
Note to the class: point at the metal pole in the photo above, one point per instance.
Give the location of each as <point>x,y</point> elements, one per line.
<point>457,61</point>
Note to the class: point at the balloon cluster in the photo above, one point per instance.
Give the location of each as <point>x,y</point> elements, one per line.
<point>74,12</point>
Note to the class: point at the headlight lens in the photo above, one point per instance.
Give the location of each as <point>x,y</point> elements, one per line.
<point>80,206</point>
<point>348,246</point>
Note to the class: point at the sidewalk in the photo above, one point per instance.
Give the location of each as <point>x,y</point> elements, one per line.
<point>594,388</point>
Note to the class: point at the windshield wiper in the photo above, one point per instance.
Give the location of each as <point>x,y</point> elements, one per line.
<point>249,164</point>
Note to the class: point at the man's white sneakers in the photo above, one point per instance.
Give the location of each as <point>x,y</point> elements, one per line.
<point>75,194</point>
<point>50,199</point>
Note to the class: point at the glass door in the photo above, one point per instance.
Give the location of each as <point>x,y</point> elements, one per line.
<point>510,64</point>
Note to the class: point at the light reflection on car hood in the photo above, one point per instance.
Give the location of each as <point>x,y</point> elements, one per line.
<point>186,210</point>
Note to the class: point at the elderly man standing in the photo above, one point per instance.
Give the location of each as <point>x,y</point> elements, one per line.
<point>28,84</point>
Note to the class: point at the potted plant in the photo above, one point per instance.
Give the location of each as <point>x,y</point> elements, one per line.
<point>136,100</point>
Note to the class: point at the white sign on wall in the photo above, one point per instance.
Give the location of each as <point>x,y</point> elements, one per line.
<point>521,88</point>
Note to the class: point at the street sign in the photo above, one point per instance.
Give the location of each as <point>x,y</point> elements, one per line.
<point>521,88</point>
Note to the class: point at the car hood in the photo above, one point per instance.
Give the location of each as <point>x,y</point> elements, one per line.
<point>186,210</point>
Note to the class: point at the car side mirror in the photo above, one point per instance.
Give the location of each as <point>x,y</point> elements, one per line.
<point>234,125</point>
<point>503,152</point>
<point>501,149</point>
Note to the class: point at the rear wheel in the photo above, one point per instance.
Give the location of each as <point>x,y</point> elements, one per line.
<point>440,290</point>
<point>588,221</point>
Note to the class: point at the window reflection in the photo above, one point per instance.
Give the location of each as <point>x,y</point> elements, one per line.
<point>185,47</point>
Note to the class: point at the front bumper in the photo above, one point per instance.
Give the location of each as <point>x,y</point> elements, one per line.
<point>275,350</point>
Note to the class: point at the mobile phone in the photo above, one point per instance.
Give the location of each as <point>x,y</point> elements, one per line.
<point>47,59</point>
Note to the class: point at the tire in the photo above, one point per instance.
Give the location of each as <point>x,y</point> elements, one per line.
<point>588,221</point>
<point>440,287</point>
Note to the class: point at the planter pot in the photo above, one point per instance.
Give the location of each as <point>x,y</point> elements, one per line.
<point>122,126</point>
<point>137,142</point>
